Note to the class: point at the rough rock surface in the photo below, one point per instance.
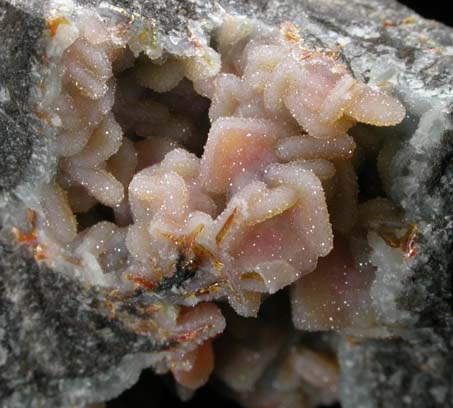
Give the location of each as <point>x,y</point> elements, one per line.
<point>20,34</point>
<point>56,349</point>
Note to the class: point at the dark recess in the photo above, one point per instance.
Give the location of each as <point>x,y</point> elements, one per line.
<point>439,10</point>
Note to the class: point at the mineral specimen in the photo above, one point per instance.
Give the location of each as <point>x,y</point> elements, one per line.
<point>193,183</point>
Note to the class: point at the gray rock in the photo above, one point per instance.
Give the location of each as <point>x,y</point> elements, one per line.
<point>413,371</point>
<point>20,36</point>
<point>57,348</point>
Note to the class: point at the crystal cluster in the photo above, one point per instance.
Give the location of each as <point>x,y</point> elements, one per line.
<point>204,218</point>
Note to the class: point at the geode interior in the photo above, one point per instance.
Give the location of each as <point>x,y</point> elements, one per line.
<point>200,185</point>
